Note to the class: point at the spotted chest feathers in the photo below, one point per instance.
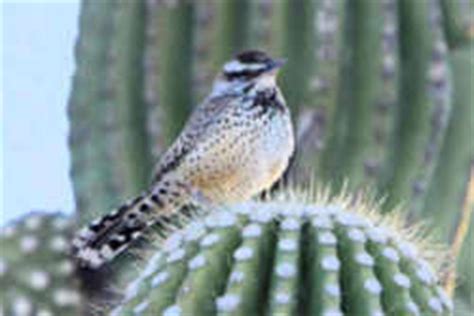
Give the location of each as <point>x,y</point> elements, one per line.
<point>245,151</point>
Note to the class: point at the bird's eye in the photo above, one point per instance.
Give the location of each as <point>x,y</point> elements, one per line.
<point>243,74</point>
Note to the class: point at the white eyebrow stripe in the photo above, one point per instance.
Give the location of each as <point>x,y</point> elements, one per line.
<point>236,66</point>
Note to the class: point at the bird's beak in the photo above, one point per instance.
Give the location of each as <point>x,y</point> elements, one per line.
<point>277,64</point>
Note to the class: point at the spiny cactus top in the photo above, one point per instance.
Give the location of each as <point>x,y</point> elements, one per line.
<point>289,259</point>
<point>36,275</point>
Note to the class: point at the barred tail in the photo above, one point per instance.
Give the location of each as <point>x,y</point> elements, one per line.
<point>110,235</point>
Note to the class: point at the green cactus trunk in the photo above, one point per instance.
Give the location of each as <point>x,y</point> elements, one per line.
<point>424,103</point>
<point>359,86</point>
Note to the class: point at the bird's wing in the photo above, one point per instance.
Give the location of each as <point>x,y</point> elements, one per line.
<point>194,130</point>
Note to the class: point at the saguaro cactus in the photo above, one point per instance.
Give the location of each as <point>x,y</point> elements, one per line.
<point>378,91</point>
<point>288,258</point>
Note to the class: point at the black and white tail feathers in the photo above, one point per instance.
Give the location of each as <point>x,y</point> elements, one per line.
<point>111,234</point>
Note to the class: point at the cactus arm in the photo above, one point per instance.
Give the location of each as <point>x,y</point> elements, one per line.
<point>91,171</point>
<point>445,194</point>
<point>439,92</point>
<point>458,21</point>
<point>409,139</point>
<point>222,29</point>
<point>360,84</point>
<point>316,135</point>
<point>292,38</point>
<point>132,146</point>
<point>114,160</point>
<point>175,22</point>
<point>204,33</point>
<point>385,106</point>
<point>412,155</point>
<point>151,74</point>
<point>234,29</point>
<point>263,25</point>
<point>451,174</point>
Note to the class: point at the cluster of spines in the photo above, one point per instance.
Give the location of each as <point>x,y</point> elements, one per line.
<point>286,259</point>
<point>37,276</point>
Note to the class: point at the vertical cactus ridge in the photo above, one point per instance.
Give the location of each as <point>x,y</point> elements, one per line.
<point>458,21</point>
<point>285,258</point>
<point>457,154</point>
<point>36,274</point>
<point>204,33</point>
<point>439,90</point>
<point>263,24</point>
<point>231,33</point>
<point>359,85</point>
<point>195,295</point>
<point>151,75</point>
<point>325,293</point>
<point>90,164</point>
<point>292,38</point>
<point>175,21</point>
<point>126,86</point>
<point>171,253</point>
<point>284,282</point>
<point>314,133</point>
<point>385,107</point>
<point>257,242</point>
<point>357,273</point>
<point>424,87</point>
<point>450,178</point>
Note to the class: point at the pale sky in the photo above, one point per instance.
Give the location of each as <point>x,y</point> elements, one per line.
<point>37,64</point>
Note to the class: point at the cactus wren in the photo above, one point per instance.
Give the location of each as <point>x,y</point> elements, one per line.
<point>236,144</point>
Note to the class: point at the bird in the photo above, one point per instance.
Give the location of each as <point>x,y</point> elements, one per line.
<point>236,144</point>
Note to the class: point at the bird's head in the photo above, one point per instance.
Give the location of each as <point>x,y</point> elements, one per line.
<point>248,67</point>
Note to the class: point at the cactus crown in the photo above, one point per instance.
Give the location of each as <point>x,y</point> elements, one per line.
<point>286,258</point>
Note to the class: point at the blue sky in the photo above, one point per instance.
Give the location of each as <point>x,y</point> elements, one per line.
<point>37,64</point>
